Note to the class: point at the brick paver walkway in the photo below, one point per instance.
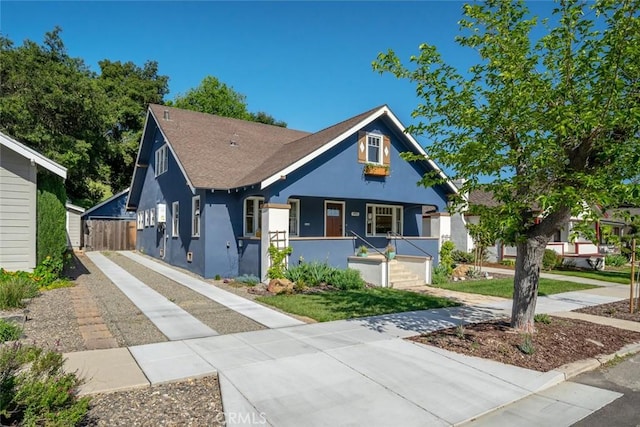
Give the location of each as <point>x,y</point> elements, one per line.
<point>94,331</point>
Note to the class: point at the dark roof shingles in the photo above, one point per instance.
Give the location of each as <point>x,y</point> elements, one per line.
<point>203,144</point>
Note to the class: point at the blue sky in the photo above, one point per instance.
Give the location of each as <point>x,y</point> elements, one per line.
<point>307,63</point>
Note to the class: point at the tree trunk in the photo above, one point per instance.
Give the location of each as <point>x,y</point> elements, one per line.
<point>525,282</point>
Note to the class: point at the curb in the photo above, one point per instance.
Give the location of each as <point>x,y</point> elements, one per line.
<point>573,369</point>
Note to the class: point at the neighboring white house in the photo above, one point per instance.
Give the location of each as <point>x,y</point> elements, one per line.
<point>74,226</point>
<point>573,247</point>
<point>18,174</point>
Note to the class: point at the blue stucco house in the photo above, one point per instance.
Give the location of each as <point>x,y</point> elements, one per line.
<point>212,193</point>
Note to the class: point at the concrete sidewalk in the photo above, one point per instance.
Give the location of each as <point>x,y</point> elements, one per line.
<point>358,372</point>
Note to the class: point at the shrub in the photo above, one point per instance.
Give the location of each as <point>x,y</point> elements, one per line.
<point>278,262</point>
<point>346,279</point>
<point>316,273</point>
<point>527,346</point>
<point>542,318</point>
<point>615,260</point>
<point>508,262</point>
<point>9,331</point>
<point>446,258</point>
<point>440,275</point>
<point>14,290</point>
<point>248,279</point>
<point>550,259</point>
<point>51,229</point>
<point>36,390</point>
<point>461,257</point>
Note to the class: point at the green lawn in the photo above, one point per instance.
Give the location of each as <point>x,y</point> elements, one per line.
<point>614,276</point>
<point>504,287</point>
<point>337,305</point>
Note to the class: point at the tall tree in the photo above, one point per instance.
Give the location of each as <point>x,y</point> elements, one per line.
<point>554,122</point>
<point>50,100</point>
<point>89,123</point>
<point>130,89</point>
<point>214,97</point>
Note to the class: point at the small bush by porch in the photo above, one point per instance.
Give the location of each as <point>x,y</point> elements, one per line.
<point>349,304</point>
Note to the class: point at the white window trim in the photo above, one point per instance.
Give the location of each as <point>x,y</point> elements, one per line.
<point>394,219</point>
<point>140,220</point>
<point>152,217</point>
<point>295,205</point>
<point>344,214</point>
<point>380,138</point>
<point>195,216</point>
<point>256,213</point>
<point>162,160</point>
<point>146,218</point>
<point>175,219</point>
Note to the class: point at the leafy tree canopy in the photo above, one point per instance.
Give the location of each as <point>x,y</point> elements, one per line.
<point>554,122</point>
<point>215,97</point>
<point>90,123</point>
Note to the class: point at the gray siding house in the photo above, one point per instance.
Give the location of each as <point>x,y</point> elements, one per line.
<point>18,174</point>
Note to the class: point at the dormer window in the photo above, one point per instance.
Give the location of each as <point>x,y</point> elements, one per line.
<point>374,148</point>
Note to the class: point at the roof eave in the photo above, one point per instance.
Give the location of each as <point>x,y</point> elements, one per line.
<point>33,156</point>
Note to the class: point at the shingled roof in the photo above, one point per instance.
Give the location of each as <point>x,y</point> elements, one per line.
<point>217,152</point>
<point>225,153</point>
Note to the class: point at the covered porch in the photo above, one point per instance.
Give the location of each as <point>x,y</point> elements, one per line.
<point>331,231</point>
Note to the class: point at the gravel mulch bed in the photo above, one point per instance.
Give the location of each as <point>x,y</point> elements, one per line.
<point>127,324</point>
<point>212,314</point>
<point>194,402</point>
<point>50,322</point>
<point>560,342</point>
<point>616,310</point>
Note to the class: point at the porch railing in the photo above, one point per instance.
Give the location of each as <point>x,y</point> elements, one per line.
<point>368,243</point>
<point>393,235</point>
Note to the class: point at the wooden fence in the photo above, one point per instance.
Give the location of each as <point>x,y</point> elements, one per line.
<point>109,235</point>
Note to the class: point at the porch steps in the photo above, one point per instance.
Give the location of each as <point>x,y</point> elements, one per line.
<point>400,278</point>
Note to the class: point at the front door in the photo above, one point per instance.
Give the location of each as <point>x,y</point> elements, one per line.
<point>334,219</point>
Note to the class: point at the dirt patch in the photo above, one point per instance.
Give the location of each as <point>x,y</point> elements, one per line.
<point>616,310</point>
<point>552,345</point>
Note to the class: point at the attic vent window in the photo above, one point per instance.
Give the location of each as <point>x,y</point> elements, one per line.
<point>166,114</point>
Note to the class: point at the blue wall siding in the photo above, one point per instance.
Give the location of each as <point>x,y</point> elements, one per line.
<point>223,225</point>
<point>114,209</point>
<point>332,251</point>
<point>337,174</point>
<point>249,257</point>
<point>167,188</point>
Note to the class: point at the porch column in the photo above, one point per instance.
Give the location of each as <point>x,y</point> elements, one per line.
<point>441,227</point>
<point>275,217</point>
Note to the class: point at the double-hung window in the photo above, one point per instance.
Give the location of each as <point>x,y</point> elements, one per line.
<point>175,219</point>
<point>152,217</point>
<point>382,219</point>
<point>294,217</point>
<point>162,160</point>
<point>195,216</point>
<point>146,218</point>
<point>374,148</point>
<point>252,215</point>
<point>140,220</point>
